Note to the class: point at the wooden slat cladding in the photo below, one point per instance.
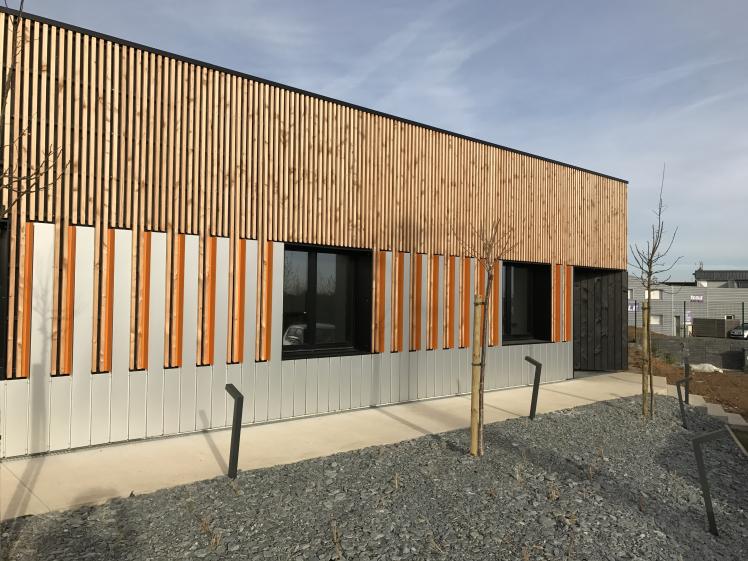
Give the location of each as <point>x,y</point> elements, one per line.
<point>556,298</point>
<point>432,332</point>
<point>151,132</point>
<point>264,301</point>
<point>416,300</point>
<point>449,301</point>
<point>150,142</point>
<point>494,320</point>
<point>568,311</point>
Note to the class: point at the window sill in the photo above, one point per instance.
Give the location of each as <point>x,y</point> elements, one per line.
<point>510,342</point>
<point>299,354</point>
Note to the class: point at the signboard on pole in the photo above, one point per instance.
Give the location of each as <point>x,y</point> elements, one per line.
<point>689,317</point>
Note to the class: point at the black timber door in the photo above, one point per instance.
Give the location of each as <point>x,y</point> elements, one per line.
<point>600,316</point>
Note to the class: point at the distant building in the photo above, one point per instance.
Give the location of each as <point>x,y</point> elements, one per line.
<point>721,279</point>
<point>713,294</point>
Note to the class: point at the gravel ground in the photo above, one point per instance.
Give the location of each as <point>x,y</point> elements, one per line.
<point>594,483</point>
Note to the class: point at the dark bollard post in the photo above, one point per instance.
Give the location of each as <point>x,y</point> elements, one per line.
<point>236,428</point>
<point>697,442</point>
<point>687,370</point>
<point>535,385</point>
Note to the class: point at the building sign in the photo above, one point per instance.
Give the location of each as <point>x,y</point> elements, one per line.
<point>633,305</point>
<point>689,317</point>
<point>697,298</point>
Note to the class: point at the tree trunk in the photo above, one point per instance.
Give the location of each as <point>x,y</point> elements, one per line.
<point>475,388</point>
<point>483,335</point>
<point>645,355</point>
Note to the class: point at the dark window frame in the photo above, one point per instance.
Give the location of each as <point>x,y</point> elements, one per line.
<point>358,312</point>
<point>538,310</point>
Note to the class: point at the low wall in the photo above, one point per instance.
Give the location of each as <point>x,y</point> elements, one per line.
<point>725,353</point>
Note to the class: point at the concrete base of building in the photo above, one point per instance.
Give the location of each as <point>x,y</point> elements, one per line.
<point>34,485</point>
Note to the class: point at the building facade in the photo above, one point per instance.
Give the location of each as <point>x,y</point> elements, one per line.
<point>205,227</point>
<point>674,306</point>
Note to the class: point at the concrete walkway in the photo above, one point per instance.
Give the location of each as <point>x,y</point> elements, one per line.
<point>88,476</point>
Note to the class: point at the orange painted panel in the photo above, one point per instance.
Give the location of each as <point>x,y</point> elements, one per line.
<point>416,299</point>
<point>108,319</point>
<point>144,303</point>
<point>28,283</point>
<point>380,270</point>
<point>449,303</point>
<point>465,304</point>
<point>398,280</point>
<point>433,297</point>
<point>568,286</point>
<point>68,304</point>
<point>265,297</point>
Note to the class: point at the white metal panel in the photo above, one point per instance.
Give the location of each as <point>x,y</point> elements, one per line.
<point>16,417</point>
<point>310,393</point>
<point>172,378</point>
<point>454,354</point>
<point>345,382</point>
<point>334,384</point>
<point>155,378</point>
<point>82,415</point>
<point>119,412</point>
<point>59,413</point>
<point>299,391</point>
<point>354,374</point>
<point>136,405</point>
<point>322,366</point>
<point>250,332</point>
<point>276,339</point>
<point>203,399</point>
<point>100,391</point>
<point>41,338</point>
<point>262,370</point>
<point>287,386</point>
<point>423,383</point>
<point>218,412</point>
<point>441,369</point>
<point>367,362</point>
<point>188,375</point>
<point>2,418</point>
<point>404,370</point>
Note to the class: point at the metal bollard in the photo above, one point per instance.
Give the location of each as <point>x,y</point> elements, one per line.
<point>236,428</point>
<point>535,385</point>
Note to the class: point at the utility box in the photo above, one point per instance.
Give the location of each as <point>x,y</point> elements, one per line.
<point>708,327</point>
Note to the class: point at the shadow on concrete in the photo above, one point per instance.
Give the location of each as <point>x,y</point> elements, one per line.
<point>217,454</point>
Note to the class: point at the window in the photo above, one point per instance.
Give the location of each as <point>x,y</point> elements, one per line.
<point>526,302</point>
<point>655,319</point>
<point>631,293</point>
<point>656,294</point>
<point>326,302</point>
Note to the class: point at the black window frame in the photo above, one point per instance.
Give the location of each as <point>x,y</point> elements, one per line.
<point>358,303</point>
<point>539,303</point>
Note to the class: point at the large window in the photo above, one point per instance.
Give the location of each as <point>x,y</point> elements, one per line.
<point>526,303</point>
<point>326,302</point>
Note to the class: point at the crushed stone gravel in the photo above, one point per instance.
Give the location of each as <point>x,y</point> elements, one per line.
<point>592,483</point>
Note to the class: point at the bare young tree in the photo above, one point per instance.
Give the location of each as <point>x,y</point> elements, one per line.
<point>650,261</point>
<point>489,247</point>
<point>16,182</point>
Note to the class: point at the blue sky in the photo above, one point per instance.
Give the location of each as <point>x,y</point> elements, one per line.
<point>617,87</point>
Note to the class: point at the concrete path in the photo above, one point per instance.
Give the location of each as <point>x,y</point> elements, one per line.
<point>65,480</point>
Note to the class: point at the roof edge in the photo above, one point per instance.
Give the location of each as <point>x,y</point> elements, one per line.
<point>189,60</point>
